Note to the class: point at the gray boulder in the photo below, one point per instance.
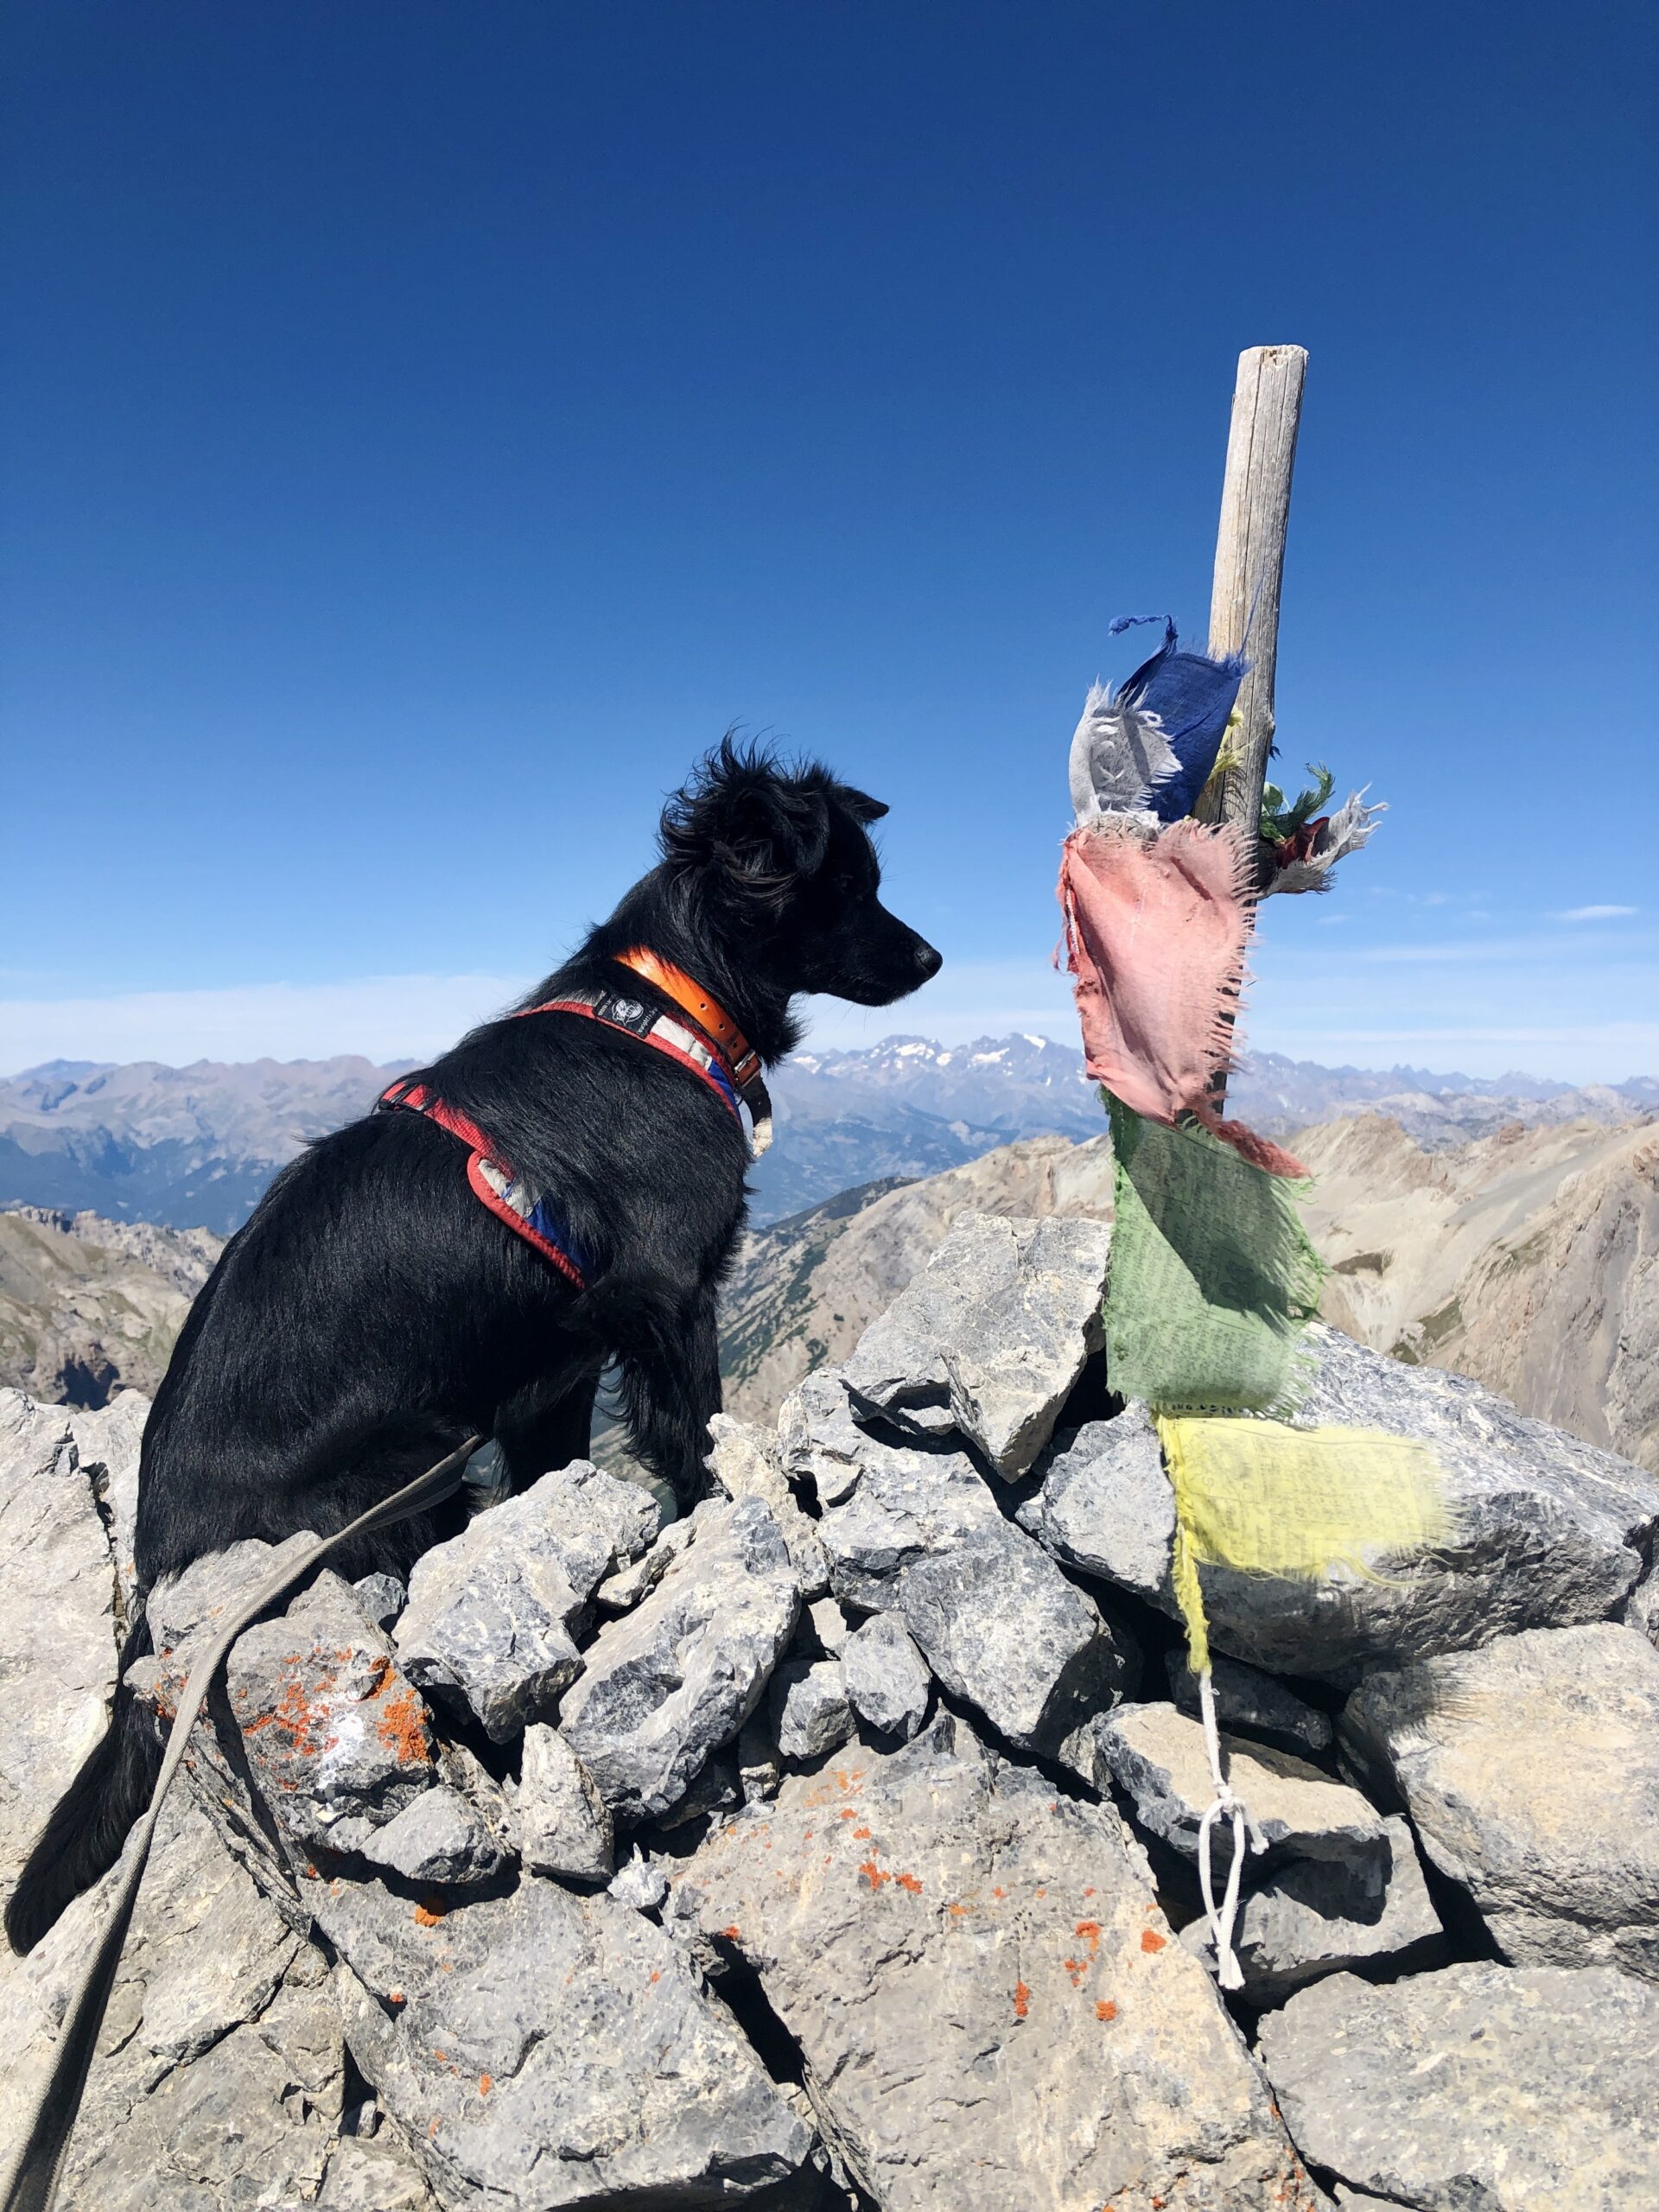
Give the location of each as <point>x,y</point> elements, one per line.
<point>811,1713</point>
<point>990,2008</point>
<point>671,1681</point>
<point>828,1626</point>
<point>1105,1505</point>
<point>437,1838</point>
<point>885,1676</point>
<point>1531,1770</point>
<point>1318,1917</point>
<point>218,2081</point>
<point>922,1536</point>
<point>1252,1704</point>
<point>820,1444</point>
<point>989,1340</point>
<point>744,1464</point>
<point>640,1884</point>
<point>1156,1756</point>
<point>107,1441</point>
<point>563,1824</point>
<point>1546,1531</point>
<point>336,1736</point>
<point>545,2049</point>
<point>620,1591</point>
<point>494,1614</point>
<point>375,2173</point>
<point>1480,2088</point>
<point>57,1619</point>
<point>382,1596</point>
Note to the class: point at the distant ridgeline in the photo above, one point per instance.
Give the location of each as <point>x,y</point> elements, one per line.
<point>195,1147</point>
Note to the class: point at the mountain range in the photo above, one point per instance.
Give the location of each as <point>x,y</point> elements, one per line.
<point>1527,1258</point>
<point>194,1146</point>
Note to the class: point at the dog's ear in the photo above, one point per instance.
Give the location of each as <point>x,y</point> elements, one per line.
<point>863,809</point>
<point>752,829</point>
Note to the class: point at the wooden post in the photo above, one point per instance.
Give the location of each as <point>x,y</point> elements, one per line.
<point>1249,567</point>
<point>1250,556</point>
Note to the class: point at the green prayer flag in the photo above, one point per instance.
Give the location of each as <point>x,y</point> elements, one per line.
<point>1212,1279</point>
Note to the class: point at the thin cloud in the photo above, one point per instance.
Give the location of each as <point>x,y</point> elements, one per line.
<point>1595,914</point>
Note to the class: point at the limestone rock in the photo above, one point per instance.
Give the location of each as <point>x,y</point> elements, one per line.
<point>494,1614</point>
<point>1254,1704</point>
<point>545,2049</point>
<point>1105,1505</point>
<point>990,1337</point>
<point>822,1448</point>
<point>57,1619</point>
<point>436,1838</point>
<point>1531,1770</point>
<point>1511,2090</point>
<point>1548,1531</point>
<point>624,1589</point>
<point>671,1681</point>
<point>1157,1757</point>
<point>828,1626</point>
<point>989,2005</point>
<point>187,1611</point>
<point>885,1676</point>
<point>219,2082</point>
<point>641,1884</point>
<point>563,1824</point>
<point>107,1443</point>
<point>744,1464</point>
<point>810,1708</point>
<point>922,1536</point>
<point>336,1736</point>
<point>1319,1917</point>
<point>382,1596</point>
<point>376,2173</point>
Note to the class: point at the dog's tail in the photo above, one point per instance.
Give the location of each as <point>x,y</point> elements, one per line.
<point>90,1821</point>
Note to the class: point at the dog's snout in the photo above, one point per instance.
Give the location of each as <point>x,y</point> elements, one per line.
<point>927,960</point>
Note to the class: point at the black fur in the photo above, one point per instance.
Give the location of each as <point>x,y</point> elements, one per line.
<point>372,1314</point>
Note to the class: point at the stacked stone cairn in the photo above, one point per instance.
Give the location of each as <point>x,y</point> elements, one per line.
<point>833,1846</point>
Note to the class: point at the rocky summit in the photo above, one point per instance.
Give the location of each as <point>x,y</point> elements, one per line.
<point>834,1847</point>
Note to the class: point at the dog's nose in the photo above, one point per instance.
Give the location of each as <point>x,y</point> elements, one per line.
<point>927,960</point>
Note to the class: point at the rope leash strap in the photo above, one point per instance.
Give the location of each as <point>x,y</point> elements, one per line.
<point>32,2181</point>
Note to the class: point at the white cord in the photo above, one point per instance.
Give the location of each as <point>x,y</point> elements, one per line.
<point>1225,1806</point>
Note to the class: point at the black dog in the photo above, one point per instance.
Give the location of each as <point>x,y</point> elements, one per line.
<point>373,1313</point>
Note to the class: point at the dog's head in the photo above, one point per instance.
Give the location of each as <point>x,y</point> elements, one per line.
<point>779,861</point>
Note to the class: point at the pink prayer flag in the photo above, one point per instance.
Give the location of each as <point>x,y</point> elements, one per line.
<point>1156,926</point>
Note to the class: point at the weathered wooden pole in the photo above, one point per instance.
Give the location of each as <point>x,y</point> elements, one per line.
<point>1250,558</point>
<point>1249,568</point>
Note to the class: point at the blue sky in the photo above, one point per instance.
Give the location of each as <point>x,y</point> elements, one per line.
<point>427,426</point>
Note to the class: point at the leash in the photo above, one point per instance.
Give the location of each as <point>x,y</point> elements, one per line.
<point>32,2183</point>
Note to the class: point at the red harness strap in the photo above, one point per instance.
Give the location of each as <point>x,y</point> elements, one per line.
<point>710,1045</point>
<point>493,1182</point>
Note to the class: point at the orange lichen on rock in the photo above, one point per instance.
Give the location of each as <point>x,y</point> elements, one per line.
<point>485,2084</point>
<point>1021,2000</point>
<point>861,1835</point>
<point>401,1726</point>
<point>873,1874</point>
<point>430,1912</point>
<point>909,1882</point>
<point>1104,2009</point>
<point>1089,1931</point>
<point>1151,1941</point>
<point>732,1933</point>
